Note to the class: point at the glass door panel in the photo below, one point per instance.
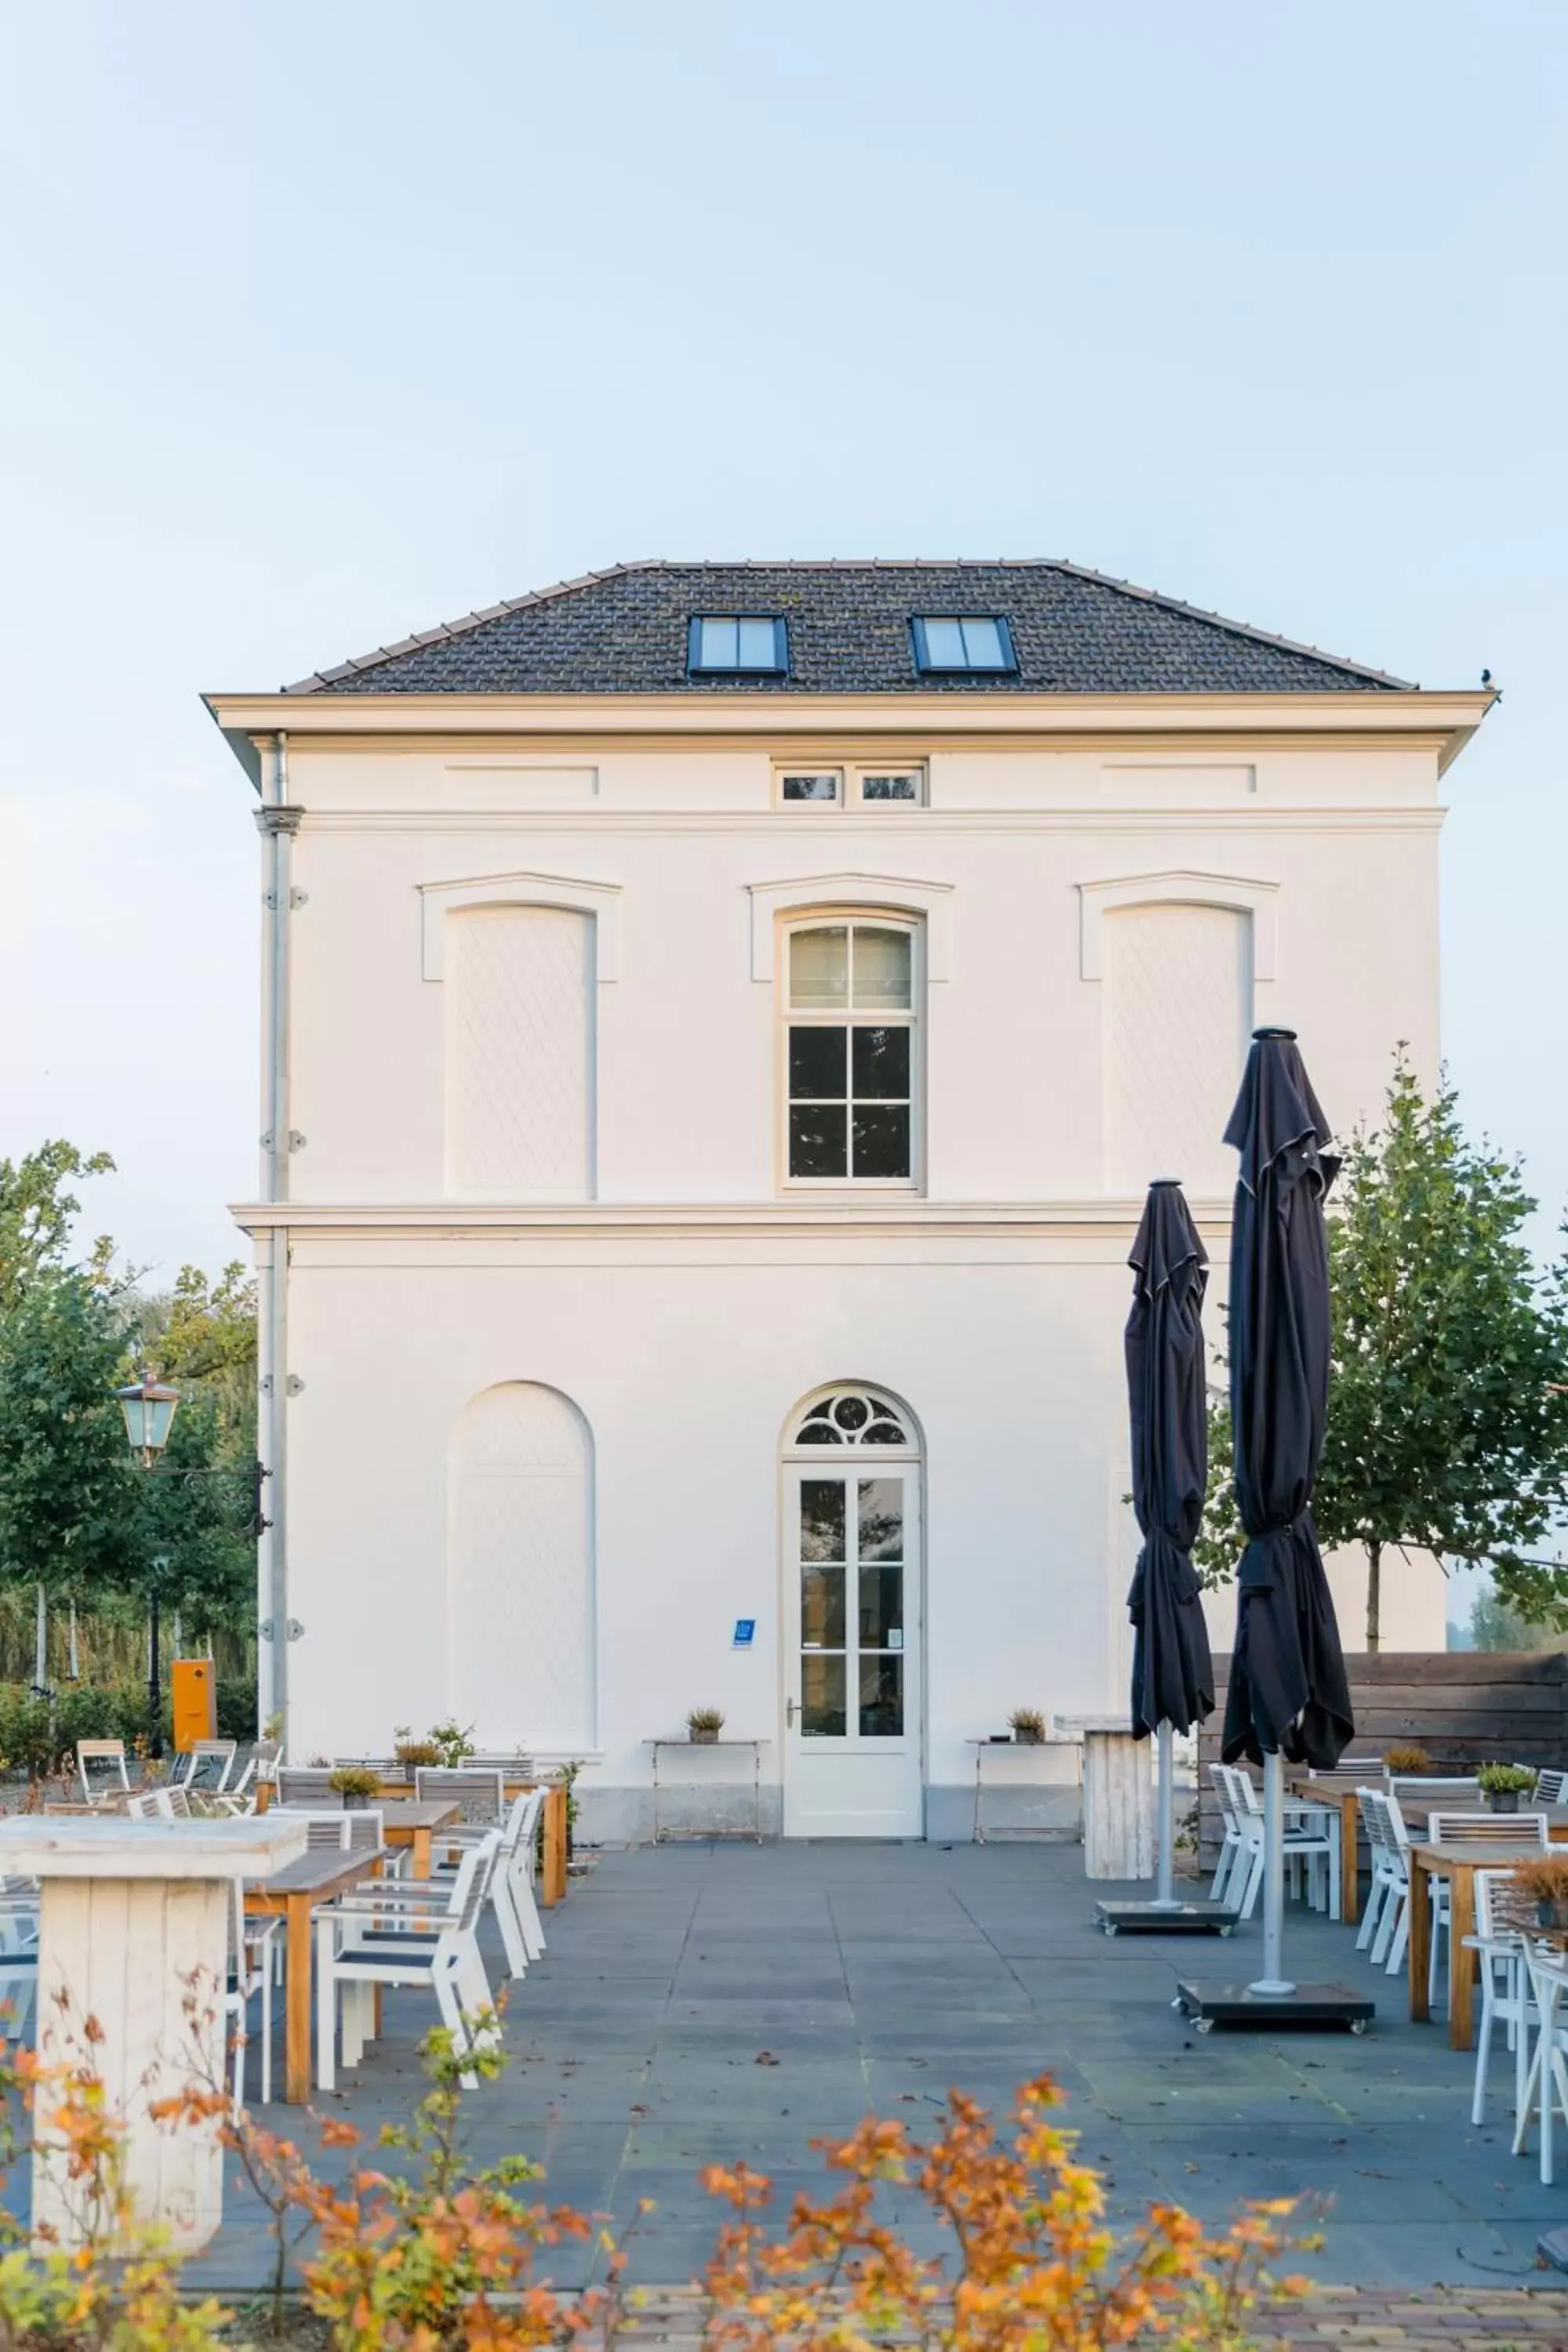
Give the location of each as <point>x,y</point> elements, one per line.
<point>853,1722</point>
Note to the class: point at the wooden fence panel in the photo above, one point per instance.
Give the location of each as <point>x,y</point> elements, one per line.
<point>1463,1706</point>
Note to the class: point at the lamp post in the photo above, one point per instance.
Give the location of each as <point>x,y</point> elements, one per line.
<point>149,1410</point>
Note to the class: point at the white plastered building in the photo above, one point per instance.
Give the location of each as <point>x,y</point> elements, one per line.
<point>720,1021</point>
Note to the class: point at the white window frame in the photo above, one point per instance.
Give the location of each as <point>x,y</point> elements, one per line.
<point>851,775</point>
<point>872,917</point>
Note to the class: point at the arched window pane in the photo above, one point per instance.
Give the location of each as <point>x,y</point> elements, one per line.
<point>881,970</point>
<point>819,967</point>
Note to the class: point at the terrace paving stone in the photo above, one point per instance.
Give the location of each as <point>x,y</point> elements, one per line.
<point>699,2003</point>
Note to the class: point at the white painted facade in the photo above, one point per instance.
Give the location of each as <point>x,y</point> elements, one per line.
<point>554,1310</point>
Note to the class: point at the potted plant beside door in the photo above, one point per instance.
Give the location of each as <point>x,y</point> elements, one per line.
<point>704,1724</point>
<point>1028,1725</point>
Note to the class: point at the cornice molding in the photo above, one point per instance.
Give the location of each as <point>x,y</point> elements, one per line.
<point>911,1219</point>
<point>1078,817</point>
<point>1375,711</point>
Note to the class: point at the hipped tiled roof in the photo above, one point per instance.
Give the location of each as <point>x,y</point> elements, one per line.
<point>624,631</point>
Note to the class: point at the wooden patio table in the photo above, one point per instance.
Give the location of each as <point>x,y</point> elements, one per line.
<point>1336,1791</point>
<point>292,1895</point>
<point>409,1821</point>
<point>552,1887</point>
<point>1458,1864</point>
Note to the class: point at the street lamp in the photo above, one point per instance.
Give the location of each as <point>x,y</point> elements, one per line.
<point>149,1410</point>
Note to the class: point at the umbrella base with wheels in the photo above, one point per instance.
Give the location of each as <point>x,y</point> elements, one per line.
<point>1272,2008</point>
<point>1197,1918</point>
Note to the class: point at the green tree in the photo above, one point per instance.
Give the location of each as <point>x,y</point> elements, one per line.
<point>36,1214</point>
<point>68,1500</point>
<point>1447,1423</point>
<point>1495,1626</point>
<point>198,1507</point>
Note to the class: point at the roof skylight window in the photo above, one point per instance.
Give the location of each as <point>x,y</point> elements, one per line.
<point>739,644</point>
<point>961,646</point>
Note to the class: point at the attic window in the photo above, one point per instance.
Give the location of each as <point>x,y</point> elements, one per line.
<point>956,646</point>
<point>736,645</point>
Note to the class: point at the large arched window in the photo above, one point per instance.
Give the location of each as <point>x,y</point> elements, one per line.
<point>851,1050</point>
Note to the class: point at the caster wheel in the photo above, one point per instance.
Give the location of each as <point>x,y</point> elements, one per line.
<point>1358,2025</point>
<point>1228,1931</point>
<point>1203,2025</point>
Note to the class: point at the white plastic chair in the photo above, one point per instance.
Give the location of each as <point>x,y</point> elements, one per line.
<point>115,1781</point>
<point>18,1955</point>
<point>1310,1837</point>
<point>512,1897</point>
<point>480,1796</point>
<point>329,1827</point>
<point>1230,1845</point>
<point>1549,1787</point>
<point>1545,2084</point>
<point>1526,1832</point>
<point>1419,1788</point>
<point>1386,1922</point>
<point>1505,1988</point>
<point>253,1967</point>
<point>206,1765</point>
<point>410,1933</point>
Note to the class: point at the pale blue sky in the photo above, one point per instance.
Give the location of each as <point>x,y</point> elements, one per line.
<point>323,322</point>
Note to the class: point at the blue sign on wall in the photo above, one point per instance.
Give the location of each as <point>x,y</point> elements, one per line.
<point>745,1632</point>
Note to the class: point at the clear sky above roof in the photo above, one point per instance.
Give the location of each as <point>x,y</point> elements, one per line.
<point>323,325</point>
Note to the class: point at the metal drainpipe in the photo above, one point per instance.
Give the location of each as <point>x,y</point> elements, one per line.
<point>278,822</point>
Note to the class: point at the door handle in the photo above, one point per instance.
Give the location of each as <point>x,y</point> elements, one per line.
<point>790,1710</point>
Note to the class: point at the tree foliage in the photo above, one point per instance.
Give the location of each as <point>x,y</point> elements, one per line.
<point>77,1515</point>
<point>36,1214</point>
<point>68,1495</point>
<point>1447,1423</point>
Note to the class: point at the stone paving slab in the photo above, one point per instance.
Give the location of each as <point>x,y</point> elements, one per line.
<point>731,2000</point>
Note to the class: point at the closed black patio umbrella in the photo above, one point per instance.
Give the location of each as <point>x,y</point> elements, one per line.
<point>1172,1673</point>
<point>1288,1694</point>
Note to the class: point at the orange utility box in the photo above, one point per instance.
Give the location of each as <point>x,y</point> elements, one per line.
<point>195,1687</point>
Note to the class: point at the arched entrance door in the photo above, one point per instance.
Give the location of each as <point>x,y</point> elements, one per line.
<point>854,1698</point>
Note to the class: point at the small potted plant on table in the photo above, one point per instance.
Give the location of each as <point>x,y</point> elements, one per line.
<point>1028,1725</point>
<point>1408,1760</point>
<point>704,1724</point>
<point>1502,1785</point>
<point>414,1754</point>
<point>1545,1879</point>
<point>355,1784</point>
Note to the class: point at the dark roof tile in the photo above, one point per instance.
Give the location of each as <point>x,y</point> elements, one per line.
<point>624,631</point>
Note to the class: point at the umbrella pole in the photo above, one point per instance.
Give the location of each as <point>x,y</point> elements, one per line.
<point>1272,1984</point>
<point>1165,1888</point>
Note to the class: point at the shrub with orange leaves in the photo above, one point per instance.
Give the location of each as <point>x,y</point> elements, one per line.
<point>435,2255</point>
<point>1032,2262</point>
<point>115,2290</point>
<point>438,2255</point>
